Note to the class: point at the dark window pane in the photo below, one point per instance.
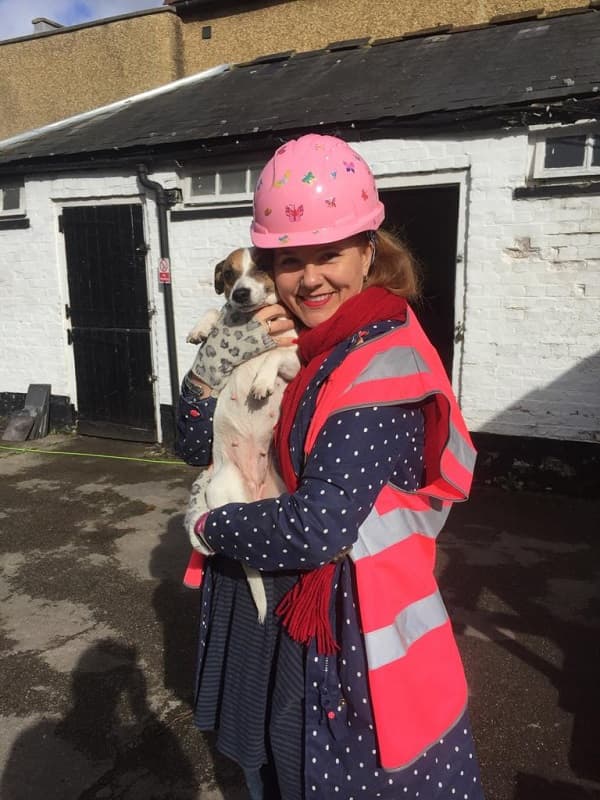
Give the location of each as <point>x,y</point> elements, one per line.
<point>253,178</point>
<point>203,185</point>
<point>233,181</point>
<point>567,151</point>
<point>11,197</point>
<point>596,152</point>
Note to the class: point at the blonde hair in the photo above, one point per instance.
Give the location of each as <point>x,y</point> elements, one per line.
<point>395,268</point>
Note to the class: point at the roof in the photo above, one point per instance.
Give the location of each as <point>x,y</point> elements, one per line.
<point>411,81</point>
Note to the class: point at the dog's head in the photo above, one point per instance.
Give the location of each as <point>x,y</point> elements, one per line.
<point>246,282</point>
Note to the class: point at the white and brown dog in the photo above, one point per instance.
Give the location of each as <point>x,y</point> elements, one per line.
<point>247,407</point>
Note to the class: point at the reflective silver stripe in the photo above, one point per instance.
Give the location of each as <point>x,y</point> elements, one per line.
<point>380,531</point>
<point>460,449</point>
<point>392,642</point>
<point>397,362</point>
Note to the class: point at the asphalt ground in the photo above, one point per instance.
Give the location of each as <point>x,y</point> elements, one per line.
<point>98,634</point>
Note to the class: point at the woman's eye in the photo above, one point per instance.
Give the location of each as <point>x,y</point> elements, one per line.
<point>287,263</point>
<point>331,256</point>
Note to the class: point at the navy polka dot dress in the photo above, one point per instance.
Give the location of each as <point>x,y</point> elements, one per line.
<point>321,734</point>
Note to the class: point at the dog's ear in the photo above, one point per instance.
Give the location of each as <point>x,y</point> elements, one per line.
<point>219,280</point>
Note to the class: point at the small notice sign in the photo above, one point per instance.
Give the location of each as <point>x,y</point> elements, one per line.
<point>164,270</point>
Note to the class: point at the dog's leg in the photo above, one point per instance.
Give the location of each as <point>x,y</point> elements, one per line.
<point>289,365</point>
<point>202,328</point>
<point>228,486</point>
<point>263,384</point>
<point>197,504</point>
<point>257,590</point>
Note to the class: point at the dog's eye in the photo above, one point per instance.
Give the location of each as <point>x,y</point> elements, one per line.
<point>228,274</point>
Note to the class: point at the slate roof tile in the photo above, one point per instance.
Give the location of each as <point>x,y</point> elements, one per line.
<point>412,78</point>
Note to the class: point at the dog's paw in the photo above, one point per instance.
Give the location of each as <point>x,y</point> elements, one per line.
<point>203,327</point>
<point>262,387</point>
<point>198,334</point>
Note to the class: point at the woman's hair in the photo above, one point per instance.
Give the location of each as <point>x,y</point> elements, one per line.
<point>395,268</point>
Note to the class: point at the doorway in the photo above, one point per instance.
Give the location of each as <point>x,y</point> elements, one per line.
<point>109,316</point>
<point>426,218</point>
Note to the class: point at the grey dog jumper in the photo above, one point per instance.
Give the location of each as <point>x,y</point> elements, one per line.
<point>234,338</point>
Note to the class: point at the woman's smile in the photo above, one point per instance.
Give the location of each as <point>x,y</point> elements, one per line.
<point>315,300</point>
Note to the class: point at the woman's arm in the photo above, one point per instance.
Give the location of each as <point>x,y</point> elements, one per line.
<point>356,453</point>
<point>195,423</point>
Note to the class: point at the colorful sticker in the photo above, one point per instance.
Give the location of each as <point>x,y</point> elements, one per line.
<point>333,174</point>
<point>330,202</point>
<point>294,213</point>
<point>283,180</point>
<point>283,239</point>
<point>308,178</point>
<point>349,166</point>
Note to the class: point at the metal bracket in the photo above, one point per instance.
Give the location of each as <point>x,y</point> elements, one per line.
<point>174,196</point>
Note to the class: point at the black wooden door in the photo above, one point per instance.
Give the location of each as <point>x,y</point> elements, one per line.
<point>108,308</point>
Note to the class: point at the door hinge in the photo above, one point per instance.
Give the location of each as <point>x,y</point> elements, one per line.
<point>459,331</point>
<point>152,378</point>
<point>60,224</point>
<point>69,336</point>
<point>142,249</point>
<point>67,310</point>
<point>151,309</point>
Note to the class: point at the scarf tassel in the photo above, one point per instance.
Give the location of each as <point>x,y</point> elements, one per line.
<point>304,609</point>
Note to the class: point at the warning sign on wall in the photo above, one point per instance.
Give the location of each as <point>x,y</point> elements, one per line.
<point>164,270</point>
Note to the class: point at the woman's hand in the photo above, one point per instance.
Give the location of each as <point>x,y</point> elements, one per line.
<point>228,346</point>
<point>278,322</point>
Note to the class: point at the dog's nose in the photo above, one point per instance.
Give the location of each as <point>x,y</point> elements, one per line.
<point>240,296</point>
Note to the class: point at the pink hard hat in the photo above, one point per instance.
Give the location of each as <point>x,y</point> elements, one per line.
<point>314,190</point>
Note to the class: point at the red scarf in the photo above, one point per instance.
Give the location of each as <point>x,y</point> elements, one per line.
<point>305,608</point>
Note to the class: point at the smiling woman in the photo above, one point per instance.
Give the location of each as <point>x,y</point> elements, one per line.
<point>353,687</point>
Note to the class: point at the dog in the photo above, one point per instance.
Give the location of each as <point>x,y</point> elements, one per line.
<point>247,407</point>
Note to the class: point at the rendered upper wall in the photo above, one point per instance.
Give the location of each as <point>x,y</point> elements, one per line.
<point>47,77</point>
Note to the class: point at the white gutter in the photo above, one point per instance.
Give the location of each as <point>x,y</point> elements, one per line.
<point>97,112</point>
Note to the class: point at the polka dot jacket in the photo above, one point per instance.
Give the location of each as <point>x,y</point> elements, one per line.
<point>355,454</point>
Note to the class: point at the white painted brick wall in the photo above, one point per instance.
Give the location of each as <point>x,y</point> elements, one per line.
<point>529,363</point>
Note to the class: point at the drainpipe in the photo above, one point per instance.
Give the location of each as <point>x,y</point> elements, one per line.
<point>165,198</point>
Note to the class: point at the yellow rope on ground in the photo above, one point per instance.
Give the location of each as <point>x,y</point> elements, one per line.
<point>177,463</point>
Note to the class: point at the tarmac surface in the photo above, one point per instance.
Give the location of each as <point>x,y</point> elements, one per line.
<point>98,634</point>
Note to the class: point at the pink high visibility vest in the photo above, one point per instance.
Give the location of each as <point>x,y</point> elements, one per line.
<point>416,678</point>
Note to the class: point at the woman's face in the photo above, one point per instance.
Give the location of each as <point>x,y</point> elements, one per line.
<point>314,280</point>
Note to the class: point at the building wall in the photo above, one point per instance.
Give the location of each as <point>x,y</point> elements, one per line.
<point>528,285</point>
<point>47,78</point>
<point>312,24</point>
<point>51,76</point>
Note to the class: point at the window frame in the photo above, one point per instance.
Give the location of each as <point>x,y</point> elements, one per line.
<point>12,212</point>
<point>219,199</point>
<point>543,136</point>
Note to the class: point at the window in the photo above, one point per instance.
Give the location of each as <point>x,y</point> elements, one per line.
<point>225,186</point>
<point>12,201</point>
<point>564,153</point>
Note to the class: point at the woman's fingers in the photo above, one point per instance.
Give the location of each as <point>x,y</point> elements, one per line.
<point>276,319</point>
<point>285,341</point>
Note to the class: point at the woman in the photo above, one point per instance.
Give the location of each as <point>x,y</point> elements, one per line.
<point>354,687</point>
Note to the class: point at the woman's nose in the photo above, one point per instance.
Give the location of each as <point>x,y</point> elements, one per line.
<point>311,275</point>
